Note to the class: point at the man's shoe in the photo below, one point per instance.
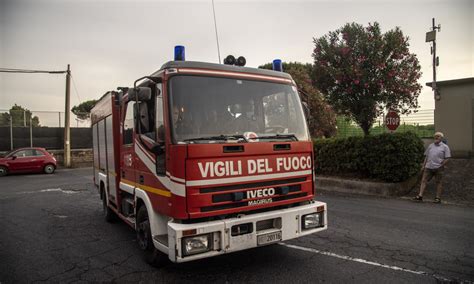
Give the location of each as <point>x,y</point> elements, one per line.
<point>437,200</point>
<point>418,198</point>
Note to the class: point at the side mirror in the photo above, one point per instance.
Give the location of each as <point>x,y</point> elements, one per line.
<point>150,144</point>
<point>14,157</point>
<point>157,149</point>
<point>139,94</point>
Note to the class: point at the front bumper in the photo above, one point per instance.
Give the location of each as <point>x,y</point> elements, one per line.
<point>224,242</point>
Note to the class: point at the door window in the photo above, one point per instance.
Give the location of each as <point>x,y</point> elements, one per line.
<point>128,123</point>
<point>160,128</point>
<point>38,153</point>
<point>24,153</point>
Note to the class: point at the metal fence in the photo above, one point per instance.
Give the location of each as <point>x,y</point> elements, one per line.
<point>421,122</point>
<point>25,128</point>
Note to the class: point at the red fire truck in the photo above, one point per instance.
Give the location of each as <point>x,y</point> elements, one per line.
<point>204,159</point>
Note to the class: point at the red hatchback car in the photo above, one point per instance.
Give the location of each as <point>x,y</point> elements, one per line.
<point>27,160</point>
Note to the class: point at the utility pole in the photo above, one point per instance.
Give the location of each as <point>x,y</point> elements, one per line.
<point>11,132</point>
<point>431,37</point>
<point>67,127</point>
<point>31,132</point>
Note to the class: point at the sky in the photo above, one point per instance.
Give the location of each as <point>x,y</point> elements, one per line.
<point>112,43</point>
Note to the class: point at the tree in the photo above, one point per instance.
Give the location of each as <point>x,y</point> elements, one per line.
<point>20,117</point>
<point>362,72</point>
<point>83,110</point>
<point>322,119</point>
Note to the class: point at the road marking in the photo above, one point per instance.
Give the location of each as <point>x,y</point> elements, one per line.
<point>360,260</point>
<point>50,190</point>
<point>59,190</point>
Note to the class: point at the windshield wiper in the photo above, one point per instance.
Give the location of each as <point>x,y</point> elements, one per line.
<point>278,136</point>
<point>220,137</point>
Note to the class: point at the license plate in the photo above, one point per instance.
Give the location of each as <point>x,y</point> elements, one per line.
<point>269,238</point>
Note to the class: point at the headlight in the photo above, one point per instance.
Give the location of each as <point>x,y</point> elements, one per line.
<point>197,244</point>
<point>313,220</point>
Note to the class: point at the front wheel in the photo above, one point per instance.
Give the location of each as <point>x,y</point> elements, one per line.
<point>49,169</point>
<point>3,171</point>
<point>109,215</point>
<point>152,256</point>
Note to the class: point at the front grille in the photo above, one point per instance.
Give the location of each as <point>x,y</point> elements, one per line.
<point>245,203</point>
<point>252,185</point>
<point>238,196</point>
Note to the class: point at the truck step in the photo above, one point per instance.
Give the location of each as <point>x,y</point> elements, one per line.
<point>128,207</point>
<point>131,219</point>
<point>162,239</point>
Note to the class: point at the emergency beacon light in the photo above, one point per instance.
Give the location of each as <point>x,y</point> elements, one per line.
<point>179,53</point>
<point>277,65</point>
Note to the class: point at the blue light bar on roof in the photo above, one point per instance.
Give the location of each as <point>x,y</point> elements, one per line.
<point>179,53</point>
<point>277,65</point>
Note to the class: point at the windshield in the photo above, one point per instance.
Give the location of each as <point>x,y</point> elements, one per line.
<point>208,109</point>
<point>9,154</point>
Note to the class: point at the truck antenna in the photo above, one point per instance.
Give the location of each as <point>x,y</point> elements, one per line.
<point>217,37</point>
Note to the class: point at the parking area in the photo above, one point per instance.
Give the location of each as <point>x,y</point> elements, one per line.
<point>53,231</point>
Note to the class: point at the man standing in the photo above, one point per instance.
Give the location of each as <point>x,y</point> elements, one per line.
<point>436,157</point>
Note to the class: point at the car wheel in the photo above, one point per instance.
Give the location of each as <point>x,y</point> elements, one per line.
<point>49,169</point>
<point>109,215</point>
<point>3,171</point>
<point>152,256</point>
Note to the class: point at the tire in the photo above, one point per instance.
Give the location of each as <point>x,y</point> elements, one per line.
<point>152,256</point>
<point>109,214</point>
<point>49,169</point>
<point>3,171</point>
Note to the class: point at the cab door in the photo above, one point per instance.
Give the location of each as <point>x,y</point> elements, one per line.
<point>128,159</point>
<point>22,161</point>
<point>151,165</point>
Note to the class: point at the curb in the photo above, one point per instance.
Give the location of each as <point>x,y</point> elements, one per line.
<point>341,185</point>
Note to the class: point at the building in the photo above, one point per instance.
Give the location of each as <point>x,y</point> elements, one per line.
<point>454,114</point>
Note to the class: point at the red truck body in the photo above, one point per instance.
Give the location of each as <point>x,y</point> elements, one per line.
<point>213,186</point>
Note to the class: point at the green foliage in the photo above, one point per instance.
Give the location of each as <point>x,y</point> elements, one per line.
<point>322,119</point>
<point>20,117</point>
<point>347,128</point>
<point>389,157</point>
<point>362,72</point>
<point>83,110</point>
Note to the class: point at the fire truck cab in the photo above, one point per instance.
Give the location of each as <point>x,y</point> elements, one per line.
<point>203,159</point>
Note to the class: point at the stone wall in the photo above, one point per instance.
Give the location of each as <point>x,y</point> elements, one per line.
<point>79,157</point>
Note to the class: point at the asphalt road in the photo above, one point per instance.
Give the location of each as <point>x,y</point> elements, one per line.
<point>52,231</point>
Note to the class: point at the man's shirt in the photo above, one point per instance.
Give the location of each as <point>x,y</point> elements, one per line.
<point>436,154</point>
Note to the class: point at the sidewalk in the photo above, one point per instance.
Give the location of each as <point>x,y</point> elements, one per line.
<point>458,183</point>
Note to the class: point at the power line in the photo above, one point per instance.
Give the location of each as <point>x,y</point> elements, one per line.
<point>75,89</point>
<point>215,27</point>
<point>13,70</point>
